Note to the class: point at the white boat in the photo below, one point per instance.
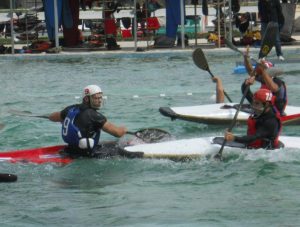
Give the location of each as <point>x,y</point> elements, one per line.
<point>198,147</point>
<point>221,113</point>
<point>173,149</point>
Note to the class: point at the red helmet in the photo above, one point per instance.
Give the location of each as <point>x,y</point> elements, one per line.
<point>268,64</point>
<point>264,95</point>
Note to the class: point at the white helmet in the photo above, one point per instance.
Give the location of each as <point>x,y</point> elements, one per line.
<point>91,90</point>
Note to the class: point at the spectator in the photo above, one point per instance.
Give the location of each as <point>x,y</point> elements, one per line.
<point>270,11</point>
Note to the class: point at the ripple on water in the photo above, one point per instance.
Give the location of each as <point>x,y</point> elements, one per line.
<point>248,188</point>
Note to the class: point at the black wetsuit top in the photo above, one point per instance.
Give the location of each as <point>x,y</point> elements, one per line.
<point>267,129</point>
<point>88,121</point>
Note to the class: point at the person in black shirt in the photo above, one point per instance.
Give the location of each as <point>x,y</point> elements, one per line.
<point>264,125</point>
<point>82,124</point>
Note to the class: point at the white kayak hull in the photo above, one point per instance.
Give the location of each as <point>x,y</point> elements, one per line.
<point>221,114</point>
<point>196,147</point>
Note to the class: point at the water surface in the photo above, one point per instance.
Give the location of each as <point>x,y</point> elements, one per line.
<point>256,188</point>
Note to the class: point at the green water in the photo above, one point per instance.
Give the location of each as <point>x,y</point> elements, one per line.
<point>251,189</point>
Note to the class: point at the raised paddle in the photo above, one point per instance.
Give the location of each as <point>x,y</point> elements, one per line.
<point>269,39</point>
<point>230,45</point>
<point>200,60</point>
<point>267,44</point>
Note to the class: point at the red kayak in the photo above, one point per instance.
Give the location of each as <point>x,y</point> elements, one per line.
<point>56,154</point>
<point>41,155</point>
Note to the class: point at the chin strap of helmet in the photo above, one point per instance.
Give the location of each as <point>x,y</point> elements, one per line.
<point>265,106</point>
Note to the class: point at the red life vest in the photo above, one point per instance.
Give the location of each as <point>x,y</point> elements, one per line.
<point>259,143</point>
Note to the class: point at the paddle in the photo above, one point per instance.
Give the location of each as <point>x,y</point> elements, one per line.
<point>268,40</point>
<point>7,177</point>
<point>1,126</point>
<point>151,135</point>
<point>266,46</point>
<point>245,107</point>
<point>233,47</point>
<point>219,154</point>
<point>200,60</point>
<point>27,114</point>
<point>148,135</point>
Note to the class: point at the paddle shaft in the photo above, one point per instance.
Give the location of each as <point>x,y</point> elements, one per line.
<point>142,134</point>
<point>27,114</point>
<point>40,116</point>
<point>219,154</point>
<point>233,47</point>
<point>131,133</point>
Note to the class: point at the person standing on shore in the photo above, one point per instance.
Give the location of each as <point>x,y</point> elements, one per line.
<point>271,11</point>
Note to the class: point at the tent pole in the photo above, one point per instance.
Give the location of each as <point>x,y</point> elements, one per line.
<point>224,20</point>
<point>219,25</point>
<point>182,23</point>
<point>230,21</point>
<point>12,28</point>
<point>195,18</point>
<point>56,23</point>
<point>135,26</point>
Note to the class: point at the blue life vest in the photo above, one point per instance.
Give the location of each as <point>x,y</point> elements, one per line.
<point>71,133</point>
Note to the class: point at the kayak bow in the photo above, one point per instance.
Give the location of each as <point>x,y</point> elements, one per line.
<point>41,155</point>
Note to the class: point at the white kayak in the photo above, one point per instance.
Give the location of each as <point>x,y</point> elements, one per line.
<point>198,147</point>
<point>221,113</point>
